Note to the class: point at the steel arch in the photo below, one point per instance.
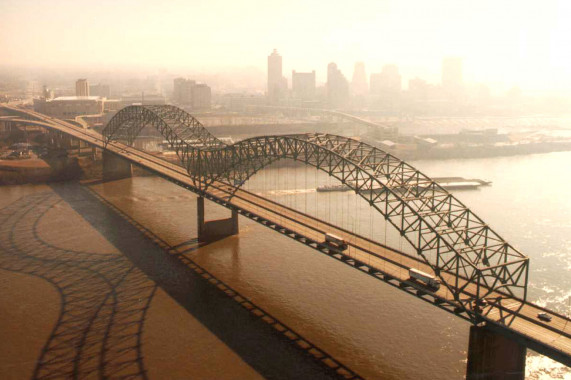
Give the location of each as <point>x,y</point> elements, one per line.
<point>445,233</point>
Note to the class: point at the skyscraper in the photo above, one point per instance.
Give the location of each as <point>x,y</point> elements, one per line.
<point>337,87</point>
<point>277,84</point>
<point>303,85</point>
<point>81,87</point>
<point>386,87</point>
<point>359,86</point>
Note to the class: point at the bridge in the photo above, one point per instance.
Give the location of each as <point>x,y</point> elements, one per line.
<point>320,111</point>
<point>483,278</point>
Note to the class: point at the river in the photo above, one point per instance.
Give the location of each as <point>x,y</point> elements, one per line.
<point>374,329</point>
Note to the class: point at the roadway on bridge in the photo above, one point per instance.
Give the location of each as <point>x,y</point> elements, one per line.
<point>520,318</point>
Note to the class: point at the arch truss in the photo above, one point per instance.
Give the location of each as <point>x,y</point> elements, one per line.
<point>445,234</point>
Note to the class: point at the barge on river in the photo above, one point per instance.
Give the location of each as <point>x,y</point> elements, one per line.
<point>448,183</point>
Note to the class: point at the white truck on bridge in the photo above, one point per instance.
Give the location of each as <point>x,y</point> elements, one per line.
<point>427,279</point>
<point>335,242</point>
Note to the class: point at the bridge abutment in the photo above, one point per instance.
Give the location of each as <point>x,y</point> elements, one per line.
<point>492,356</point>
<point>209,231</point>
<point>115,167</point>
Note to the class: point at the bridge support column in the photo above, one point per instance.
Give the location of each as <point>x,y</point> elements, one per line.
<point>492,356</point>
<point>215,229</point>
<point>115,167</point>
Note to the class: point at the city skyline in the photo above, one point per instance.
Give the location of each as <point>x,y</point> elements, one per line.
<point>499,43</point>
<point>256,78</point>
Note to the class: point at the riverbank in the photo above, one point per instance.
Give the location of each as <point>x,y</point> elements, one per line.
<point>36,170</point>
<point>482,151</point>
<point>47,170</point>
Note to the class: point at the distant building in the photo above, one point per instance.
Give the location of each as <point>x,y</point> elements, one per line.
<point>102,90</point>
<point>452,81</point>
<point>303,85</point>
<point>386,88</point>
<point>69,107</point>
<point>277,84</point>
<point>417,85</point>
<point>112,105</point>
<point>48,93</point>
<point>81,87</point>
<point>187,92</point>
<point>201,97</point>
<point>182,91</point>
<point>241,102</point>
<point>419,91</point>
<point>337,87</point>
<point>359,86</point>
<point>387,82</point>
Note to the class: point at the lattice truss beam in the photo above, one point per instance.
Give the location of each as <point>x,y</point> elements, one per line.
<point>445,233</point>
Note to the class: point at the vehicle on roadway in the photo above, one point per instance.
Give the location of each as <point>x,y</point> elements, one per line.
<point>544,317</point>
<point>425,278</point>
<point>18,155</point>
<point>335,242</point>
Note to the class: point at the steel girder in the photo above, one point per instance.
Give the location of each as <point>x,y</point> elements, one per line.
<point>445,233</point>
<point>170,120</point>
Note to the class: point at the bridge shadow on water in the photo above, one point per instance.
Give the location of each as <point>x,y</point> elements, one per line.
<point>105,297</point>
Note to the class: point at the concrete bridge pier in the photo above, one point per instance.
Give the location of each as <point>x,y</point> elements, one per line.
<point>209,231</point>
<point>115,167</point>
<point>59,140</point>
<point>493,356</point>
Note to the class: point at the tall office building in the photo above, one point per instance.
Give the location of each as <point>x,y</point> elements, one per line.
<point>277,84</point>
<point>359,86</point>
<point>452,73</point>
<point>81,87</point>
<point>303,85</point>
<point>337,87</point>
<point>182,90</point>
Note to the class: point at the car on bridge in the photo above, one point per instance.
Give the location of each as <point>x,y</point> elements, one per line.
<point>17,155</point>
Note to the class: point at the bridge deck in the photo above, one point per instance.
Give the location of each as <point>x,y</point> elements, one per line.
<point>513,317</point>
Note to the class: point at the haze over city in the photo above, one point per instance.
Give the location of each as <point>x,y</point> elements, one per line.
<point>285,190</point>
<point>502,43</point>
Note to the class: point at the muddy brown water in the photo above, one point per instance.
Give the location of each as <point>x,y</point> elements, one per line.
<point>134,308</point>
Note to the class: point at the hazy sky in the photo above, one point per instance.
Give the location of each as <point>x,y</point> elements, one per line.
<point>513,42</point>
